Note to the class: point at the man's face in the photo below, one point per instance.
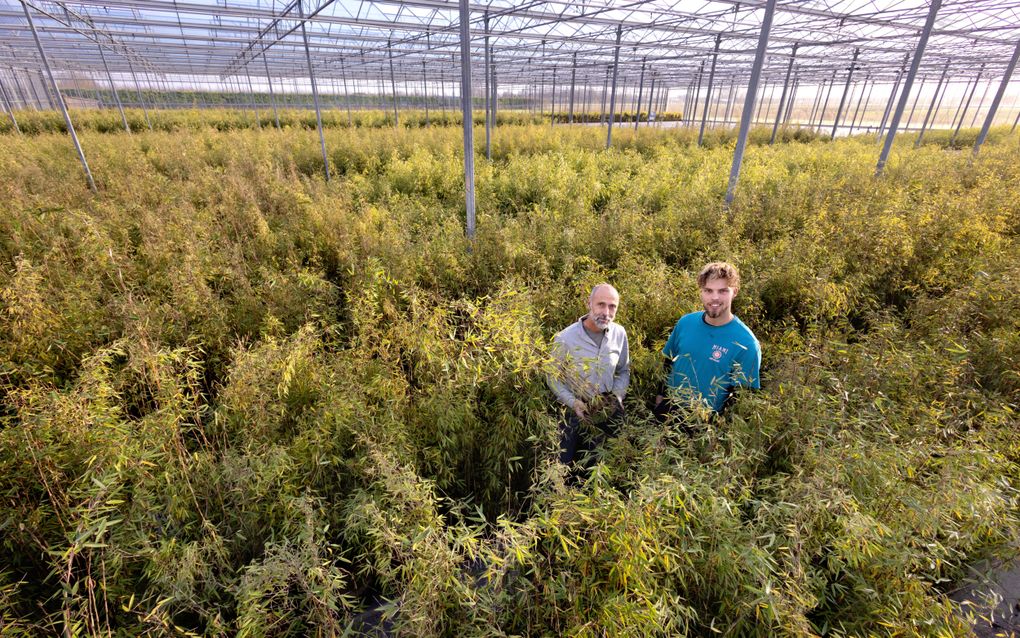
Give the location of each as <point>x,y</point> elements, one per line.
<point>602,307</point>
<point>717,297</point>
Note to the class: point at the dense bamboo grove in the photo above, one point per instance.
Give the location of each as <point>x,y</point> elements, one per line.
<point>239,400</point>
<point>109,120</point>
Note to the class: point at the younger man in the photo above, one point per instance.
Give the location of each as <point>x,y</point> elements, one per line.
<point>710,352</point>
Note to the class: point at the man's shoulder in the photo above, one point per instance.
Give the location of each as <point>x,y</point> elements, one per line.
<point>570,337</point>
<point>740,328</point>
<point>691,319</point>
<point>687,324</point>
<point>566,331</point>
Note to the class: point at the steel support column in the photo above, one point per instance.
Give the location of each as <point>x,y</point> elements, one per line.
<point>892,97</point>
<point>493,86</point>
<point>272,95</point>
<point>22,96</point>
<point>860,100</point>
<point>37,103</point>
<point>605,94</point>
<point>782,96</point>
<point>729,101</point>
<point>686,108</point>
<point>238,101</point>
<point>251,93</point>
<point>573,79</point>
<point>584,100</point>
<point>651,96</point>
<point>846,89</point>
<point>825,104</point>
<point>931,108</point>
<point>138,91</point>
<point>772,95</point>
<point>792,100</point>
<point>541,95</point>
<point>468,120</point>
<point>913,107</point>
<point>393,86</point>
<point>552,98</point>
<point>60,98</point>
<point>116,93</point>
<point>867,103</point>
<point>9,107</point>
<point>424,76</point>
<point>959,106</point>
<point>541,86</point>
<point>717,106</point>
<point>977,111</point>
<point>997,99</point>
<point>488,95</point>
<point>45,91</point>
<point>425,90</point>
<point>640,93</point>
<point>708,94</point>
<point>661,100</point>
<point>761,103</point>
<point>612,97</point>
<point>966,105</point>
<point>442,91</point>
<point>816,102</point>
<point>902,102</point>
<point>765,104</point>
<point>697,93</point>
<point>752,90</point>
<point>315,90</point>
<point>154,80</point>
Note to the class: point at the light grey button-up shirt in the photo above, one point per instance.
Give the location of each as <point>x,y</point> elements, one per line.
<point>587,370</point>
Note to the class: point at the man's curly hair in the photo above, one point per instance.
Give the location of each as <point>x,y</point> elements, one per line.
<point>720,270</point>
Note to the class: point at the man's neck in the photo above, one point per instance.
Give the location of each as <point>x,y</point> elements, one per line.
<point>590,325</point>
<point>719,321</point>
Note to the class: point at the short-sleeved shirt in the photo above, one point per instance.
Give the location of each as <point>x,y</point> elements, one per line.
<point>712,360</point>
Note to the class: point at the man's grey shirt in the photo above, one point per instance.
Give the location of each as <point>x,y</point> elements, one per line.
<point>588,369</point>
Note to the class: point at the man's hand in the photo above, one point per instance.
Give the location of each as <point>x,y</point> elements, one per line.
<point>580,408</point>
<point>659,399</point>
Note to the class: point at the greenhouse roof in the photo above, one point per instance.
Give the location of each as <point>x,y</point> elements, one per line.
<point>531,43</point>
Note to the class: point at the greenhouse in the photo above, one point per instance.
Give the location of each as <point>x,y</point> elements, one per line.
<point>282,286</point>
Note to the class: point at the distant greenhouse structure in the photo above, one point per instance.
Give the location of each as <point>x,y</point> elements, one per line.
<point>839,67</point>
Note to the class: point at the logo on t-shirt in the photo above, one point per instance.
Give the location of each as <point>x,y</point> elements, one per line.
<point>718,352</point>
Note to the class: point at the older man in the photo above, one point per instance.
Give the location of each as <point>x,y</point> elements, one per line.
<point>593,372</point>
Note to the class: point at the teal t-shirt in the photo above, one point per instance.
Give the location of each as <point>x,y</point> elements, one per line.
<point>712,360</point>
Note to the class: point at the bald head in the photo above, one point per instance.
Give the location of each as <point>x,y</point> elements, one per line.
<point>603,302</point>
<point>604,288</point>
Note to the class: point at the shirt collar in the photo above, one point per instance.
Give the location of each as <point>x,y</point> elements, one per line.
<point>580,322</point>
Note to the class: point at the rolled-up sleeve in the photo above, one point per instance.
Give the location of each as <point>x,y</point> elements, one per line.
<point>621,376</point>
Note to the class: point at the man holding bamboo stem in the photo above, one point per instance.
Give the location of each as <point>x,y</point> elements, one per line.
<point>593,371</point>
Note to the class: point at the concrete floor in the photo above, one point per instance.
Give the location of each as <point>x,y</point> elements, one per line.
<point>1000,586</point>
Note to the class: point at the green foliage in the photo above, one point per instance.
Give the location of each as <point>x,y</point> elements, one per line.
<point>240,400</point>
